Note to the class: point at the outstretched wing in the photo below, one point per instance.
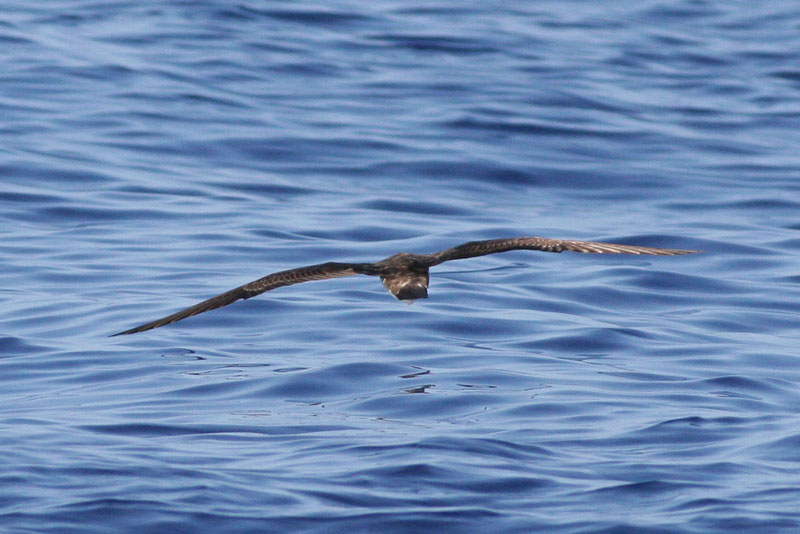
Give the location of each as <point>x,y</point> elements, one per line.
<point>493,246</point>
<point>321,271</point>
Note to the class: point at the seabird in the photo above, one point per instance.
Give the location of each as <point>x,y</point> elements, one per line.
<point>405,275</point>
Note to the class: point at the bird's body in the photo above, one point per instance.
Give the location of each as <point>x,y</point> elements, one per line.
<point>404,275</point>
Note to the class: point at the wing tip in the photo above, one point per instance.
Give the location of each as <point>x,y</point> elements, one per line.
<point>134,330</point>
<point>680,252</point>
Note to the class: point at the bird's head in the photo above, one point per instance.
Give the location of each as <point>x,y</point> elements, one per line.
<point>405,276</point>
<point>407,286</point>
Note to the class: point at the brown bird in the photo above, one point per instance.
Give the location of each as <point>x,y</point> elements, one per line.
<point>405,275</point>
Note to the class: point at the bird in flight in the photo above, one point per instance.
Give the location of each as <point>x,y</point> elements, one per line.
<point>405,275</point>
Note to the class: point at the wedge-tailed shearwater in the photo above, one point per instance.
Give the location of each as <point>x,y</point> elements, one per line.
<point>405,275</point>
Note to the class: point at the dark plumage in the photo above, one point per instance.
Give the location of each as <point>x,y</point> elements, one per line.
<point>405,275</point>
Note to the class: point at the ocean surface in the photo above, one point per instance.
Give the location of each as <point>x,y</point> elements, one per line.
<point>156,153</point>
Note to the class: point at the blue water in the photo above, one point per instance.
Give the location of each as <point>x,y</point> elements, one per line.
<point>153,154</point>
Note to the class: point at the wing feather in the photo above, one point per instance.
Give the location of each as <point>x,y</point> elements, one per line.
<point>493,246</point>
<point>272,281</point>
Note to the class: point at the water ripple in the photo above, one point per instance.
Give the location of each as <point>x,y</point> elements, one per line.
<point>155,155</point>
